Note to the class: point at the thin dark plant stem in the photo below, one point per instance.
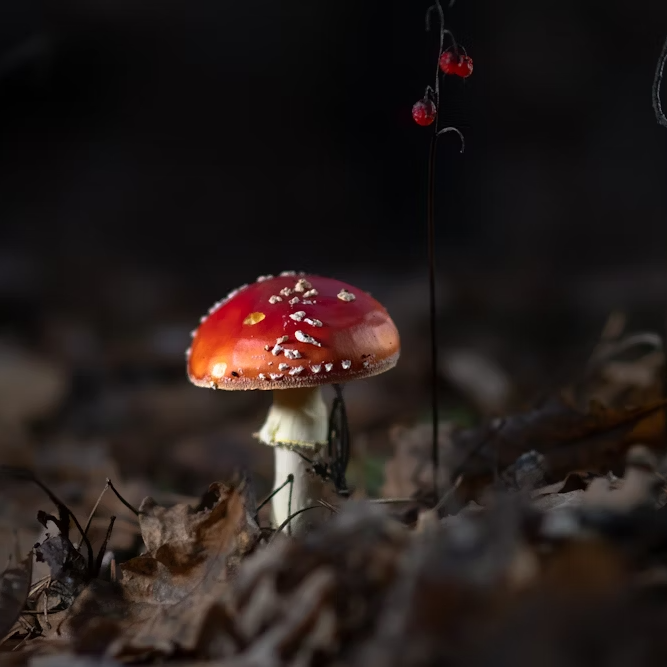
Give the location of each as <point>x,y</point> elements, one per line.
<point>491,433</point>
<point>657,87</point>
<point>443,32</point>
<point>289,480</point>
<point>288,520</point>
<point>338,442</point>
<point>92,513</point>
<point>433,314</point>
<point>122,500</point>
<point>448,494</point>
<point>430,222</point>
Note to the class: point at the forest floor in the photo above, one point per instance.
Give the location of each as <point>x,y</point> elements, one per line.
<point>545,543</point>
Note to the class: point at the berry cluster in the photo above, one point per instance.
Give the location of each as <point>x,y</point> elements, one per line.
<point>456,64</point>
<point>453,63</point>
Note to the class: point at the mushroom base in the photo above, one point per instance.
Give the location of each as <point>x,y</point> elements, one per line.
<point>304,491</point>
<point>297,418</point>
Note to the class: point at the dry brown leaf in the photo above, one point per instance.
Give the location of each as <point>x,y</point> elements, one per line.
<point>298,598</point>
<point>448,580</point>
<point>564,438</point>
<point>569,439</point>
<point>307,624</point>
<point>168,598</point>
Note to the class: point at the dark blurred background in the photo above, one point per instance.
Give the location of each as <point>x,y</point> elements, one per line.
<point>155,155</point>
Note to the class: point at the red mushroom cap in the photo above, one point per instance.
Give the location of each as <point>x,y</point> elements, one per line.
<point>295,330</point>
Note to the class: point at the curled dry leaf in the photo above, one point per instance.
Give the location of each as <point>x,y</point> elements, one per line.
<point>65,562</point>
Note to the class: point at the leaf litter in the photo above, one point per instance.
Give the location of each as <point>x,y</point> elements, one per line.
<point>550,544</point>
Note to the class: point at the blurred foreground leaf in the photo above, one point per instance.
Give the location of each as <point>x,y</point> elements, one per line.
<point>14,588</point>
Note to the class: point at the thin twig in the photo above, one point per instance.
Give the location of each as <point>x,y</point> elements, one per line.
<point>30,634</point>
<point>657,87</point>
<point>45,602</point>
<point>40,612</point>
<point>41,583</point>
<point>289,519</point>
<point>491,433</point>
<point>392,501</point>
<point>92,513</point>
<point>329,506</point>
<point>448,494</point>
<point>290,478</point>
<point>122,500</point>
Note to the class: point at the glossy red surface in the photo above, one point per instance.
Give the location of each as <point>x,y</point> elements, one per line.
<point>424,112</point>
<point>313,338</point>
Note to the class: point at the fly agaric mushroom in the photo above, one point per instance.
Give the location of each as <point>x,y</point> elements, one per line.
<point>292,334</point>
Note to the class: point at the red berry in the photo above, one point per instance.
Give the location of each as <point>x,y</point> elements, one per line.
<point>448,62</point>
<point>464,67</point>
<point>424,111</point>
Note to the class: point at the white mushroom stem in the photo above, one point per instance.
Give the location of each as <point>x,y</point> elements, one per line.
<point>304,491</point>
<point>297,423</point>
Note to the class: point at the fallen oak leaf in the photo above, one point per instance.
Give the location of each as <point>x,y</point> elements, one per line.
<point>568,439</point>
<point>166,599</point>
